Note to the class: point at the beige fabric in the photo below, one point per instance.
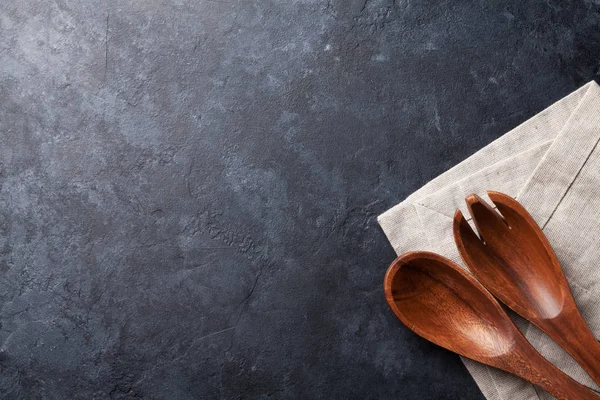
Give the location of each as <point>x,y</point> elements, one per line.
<point>551,164</point>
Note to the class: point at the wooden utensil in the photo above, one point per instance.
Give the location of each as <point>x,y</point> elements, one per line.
<point>439,301</point>
<point>514,260</point>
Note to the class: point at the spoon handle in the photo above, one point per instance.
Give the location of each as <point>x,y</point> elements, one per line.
<point>530,365</point>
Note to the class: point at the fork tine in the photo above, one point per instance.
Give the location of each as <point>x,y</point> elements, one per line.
<point>462,228</point>
<point>487,220</point>
<point>469,245</point>
<point>511,210</point>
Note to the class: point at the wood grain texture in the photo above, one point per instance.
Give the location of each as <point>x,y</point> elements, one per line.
<point>514,260</point>
<point>444,304</point>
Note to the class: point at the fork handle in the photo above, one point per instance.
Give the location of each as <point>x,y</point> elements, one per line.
<point>571,332</point>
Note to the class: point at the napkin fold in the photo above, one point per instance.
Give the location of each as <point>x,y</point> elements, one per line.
<point>551,165</point>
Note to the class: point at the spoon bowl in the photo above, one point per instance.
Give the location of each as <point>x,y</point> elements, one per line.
<point>432,296</point>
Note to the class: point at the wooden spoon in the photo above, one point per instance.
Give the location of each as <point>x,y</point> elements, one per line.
<point>441,302</point>
<point>514,260</point>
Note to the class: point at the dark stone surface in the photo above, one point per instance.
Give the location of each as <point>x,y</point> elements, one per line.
<point>188,189</point>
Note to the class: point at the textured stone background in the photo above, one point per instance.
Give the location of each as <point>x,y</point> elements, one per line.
<point>188,189</point>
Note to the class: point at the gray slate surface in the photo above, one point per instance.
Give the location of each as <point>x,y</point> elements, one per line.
<point>188,189</point>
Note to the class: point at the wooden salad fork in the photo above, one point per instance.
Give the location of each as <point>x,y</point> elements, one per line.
<point>444,304</point>
<point>513,259</point>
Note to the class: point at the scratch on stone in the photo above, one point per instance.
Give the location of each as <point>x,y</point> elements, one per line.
<point>10,335</point>
<point>106,46</point>
<point>212,334</point>
<point>371,204</point>
<point>437,122</point>
<point>187,178</point>
<point>364,5</point>
<point>260,272</point>
<point>199,339</point>
<point>244,303</point>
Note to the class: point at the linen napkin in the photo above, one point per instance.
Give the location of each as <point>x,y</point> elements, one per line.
<point>551,165</point>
